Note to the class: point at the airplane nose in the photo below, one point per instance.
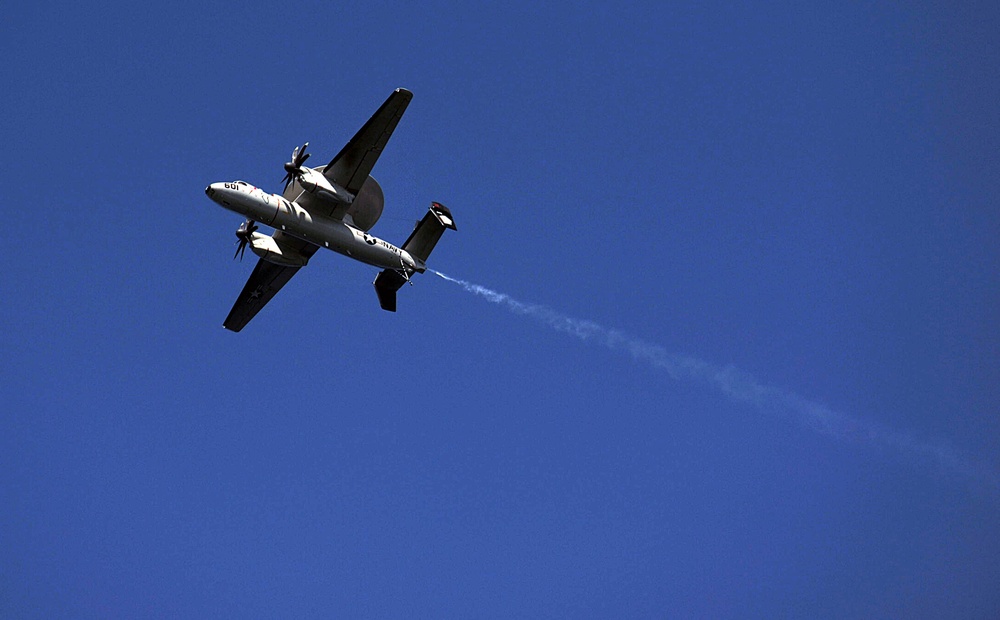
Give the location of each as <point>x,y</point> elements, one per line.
<point>209,191</point>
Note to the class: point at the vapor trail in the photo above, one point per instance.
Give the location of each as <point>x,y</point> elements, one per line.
<point>741,386</point>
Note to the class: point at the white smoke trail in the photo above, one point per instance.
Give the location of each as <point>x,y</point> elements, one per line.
<point>741,386</point>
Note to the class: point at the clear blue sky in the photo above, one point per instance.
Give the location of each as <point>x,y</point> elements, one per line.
<point>804,199</point>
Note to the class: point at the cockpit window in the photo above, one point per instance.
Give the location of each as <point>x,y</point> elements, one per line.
<point>241,183</point>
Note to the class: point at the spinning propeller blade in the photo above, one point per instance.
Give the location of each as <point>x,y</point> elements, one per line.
<point>293,168</point>
<point>244,233</point>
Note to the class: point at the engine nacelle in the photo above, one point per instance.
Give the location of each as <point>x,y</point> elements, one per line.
<point>316,183</point>
<point>270,250</point>
<point>363,210</point>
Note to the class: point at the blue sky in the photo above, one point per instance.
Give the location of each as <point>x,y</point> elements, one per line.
<point>800,198</point>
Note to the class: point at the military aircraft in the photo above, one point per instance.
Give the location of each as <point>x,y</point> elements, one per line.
<point>332,206</point>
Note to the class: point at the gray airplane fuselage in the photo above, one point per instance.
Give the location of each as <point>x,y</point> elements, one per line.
<point>291,218</point>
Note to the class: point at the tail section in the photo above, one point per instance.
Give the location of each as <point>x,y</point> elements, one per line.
<point>419,245</point>
<point>428,230</point>
<point>387,282</point>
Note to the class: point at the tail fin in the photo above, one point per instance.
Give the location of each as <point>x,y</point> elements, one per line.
<point>419,245</point>
<point>428,230</point>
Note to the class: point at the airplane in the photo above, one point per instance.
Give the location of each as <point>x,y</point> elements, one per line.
<point>332,206</point>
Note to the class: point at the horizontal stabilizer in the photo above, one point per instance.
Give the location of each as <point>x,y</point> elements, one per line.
<point>428,231</point>
<point>386,284</point>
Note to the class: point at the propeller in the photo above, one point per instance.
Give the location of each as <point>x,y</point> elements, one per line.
<point>244,233</point>
<point>294,168</point>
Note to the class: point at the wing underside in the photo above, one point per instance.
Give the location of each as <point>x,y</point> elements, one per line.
<point>264,283</point>
<point>352,165</point>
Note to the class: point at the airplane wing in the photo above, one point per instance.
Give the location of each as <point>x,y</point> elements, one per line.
<point>265,281</point>
<point>352,165</point>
